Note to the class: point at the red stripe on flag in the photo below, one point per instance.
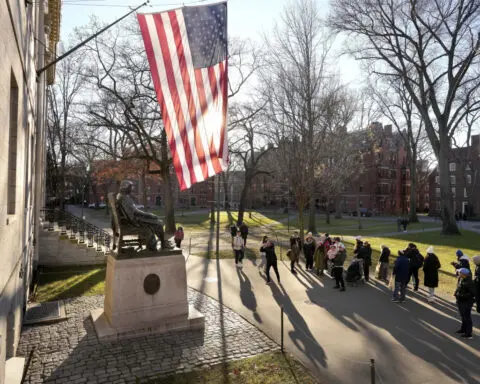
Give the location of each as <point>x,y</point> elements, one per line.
<point>156,82</point>
<point>188,92</point>
<point>223,131</point>
<point>174,94</point>
<point>204,108</point>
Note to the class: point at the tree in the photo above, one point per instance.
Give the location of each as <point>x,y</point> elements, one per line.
<point>294,79</point>
<point>432,47</point>
<point>61,127</point>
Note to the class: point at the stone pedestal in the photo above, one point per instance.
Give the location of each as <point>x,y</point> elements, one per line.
<point>145,293</point>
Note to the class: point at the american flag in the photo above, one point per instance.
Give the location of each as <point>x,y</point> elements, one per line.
<point>187,52</point>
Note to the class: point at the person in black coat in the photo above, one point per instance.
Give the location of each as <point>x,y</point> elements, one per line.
<point>309,250</point>
<point>244,232</point>
<point>431,265</point>
<point>416,262</point>
<point>366,252</point>
<point>269,248</point>
<point>476,281</point>
<point>384,261</point>
<point>465,295</point>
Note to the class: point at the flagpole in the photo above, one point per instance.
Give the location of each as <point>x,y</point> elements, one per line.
<point>81,44</point>
<point>218,217</point>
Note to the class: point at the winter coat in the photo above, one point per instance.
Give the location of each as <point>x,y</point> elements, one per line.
<point>368,255</point>
<point>339,259</point>
<point>385,256</point>
<point>309,248</point>
<point>294,252</point>
<point>401,269</point>
<point>476,280</point>
<point>238,243</point>
<point>244,230</point>
<point>295,240</point>
<point>463,262</point>
<point>178,235</point>
<point>431,266</point>
<point>415,258</point>
<point>269,249</point>
<point>465,291</point>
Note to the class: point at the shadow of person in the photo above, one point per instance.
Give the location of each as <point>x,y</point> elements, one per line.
<point>246,294</point>
<point>301,335</point>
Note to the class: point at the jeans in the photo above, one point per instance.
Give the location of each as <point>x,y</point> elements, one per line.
<point>399,291</point>
<point>338,273</point>
<point>465,309</point>
<point>413,272</point>
<point>238,255</point>
<point>275,268</point>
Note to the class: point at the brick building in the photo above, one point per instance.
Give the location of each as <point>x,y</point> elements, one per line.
<point>464,169</point>
<point>29,35</point>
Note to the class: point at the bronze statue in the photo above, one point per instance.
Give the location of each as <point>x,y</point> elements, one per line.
<point>130,214</point>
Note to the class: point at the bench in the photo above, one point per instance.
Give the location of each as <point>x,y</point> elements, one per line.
<point>126,234</point>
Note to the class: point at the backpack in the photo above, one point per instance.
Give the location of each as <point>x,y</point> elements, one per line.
<point>417,260</point>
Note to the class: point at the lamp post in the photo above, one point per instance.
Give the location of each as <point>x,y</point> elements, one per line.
<point>83,188</point>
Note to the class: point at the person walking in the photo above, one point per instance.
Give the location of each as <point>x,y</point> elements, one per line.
<point>269,248</point>
<point>400,273</point>
<point>476,281</point>
<point>308,251</point>
<point>233,232</point>
<point>244,232</point>
<point>431,265</point>
<point>337,269</point>
<point>178,237</point>
<point>384,262</point>
<point>367,259</point>
<point>465,295</point>
<point>238,247</point>
<point>295,239</point>
<point>293,253</point>
<point>416,262</point>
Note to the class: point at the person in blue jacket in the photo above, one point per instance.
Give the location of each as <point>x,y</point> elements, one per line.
<point>401,271</point>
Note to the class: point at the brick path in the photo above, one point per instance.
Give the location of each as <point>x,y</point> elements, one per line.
<point>69,352</point>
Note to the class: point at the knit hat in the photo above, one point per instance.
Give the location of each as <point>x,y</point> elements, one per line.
<point>463,271</point>
<point>358,238</point>
<point>309,234</point>
<point>459,253</point>
<point>430,249</point>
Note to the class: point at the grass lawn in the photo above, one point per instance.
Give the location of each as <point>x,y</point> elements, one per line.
<point>445,248</point>
<point>269,368</point>
<point>66,282</point>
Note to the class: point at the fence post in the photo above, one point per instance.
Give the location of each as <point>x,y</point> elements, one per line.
<point>372,370</point>
<point>281,328</point>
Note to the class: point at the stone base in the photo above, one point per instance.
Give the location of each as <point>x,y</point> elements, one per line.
<point>14,370</point>
<point>105,332</point>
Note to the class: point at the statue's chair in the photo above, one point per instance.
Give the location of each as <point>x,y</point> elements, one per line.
<point>125,233</point>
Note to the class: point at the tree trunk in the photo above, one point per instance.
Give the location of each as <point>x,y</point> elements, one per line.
<point>311,215</point>
<point>449,225</point>
<point>360,227</point>
<point>227,195</point>
<point>413,218</point>
<point>243,200</point>
<point>338,207</point>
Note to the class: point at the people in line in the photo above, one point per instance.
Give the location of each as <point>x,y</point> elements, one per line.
<point>269,248</point>
<point>338,261</point>
<point>416,262</point>
<point>244,232</point>
<point>319,256</point>
<point>384,262</point>
<point>400,272</point>
<point>178,237</point>
<point>293,254</point>
<point>462,260</point>
<point>308,251</point>
<point>367,260</point>
<point>238,248</point>
<point>431,265</point>
<point>465,295</point>
<point>295,239</point>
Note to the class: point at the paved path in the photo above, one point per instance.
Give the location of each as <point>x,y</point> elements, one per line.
<point>69,352</point>
<point>336,334</point>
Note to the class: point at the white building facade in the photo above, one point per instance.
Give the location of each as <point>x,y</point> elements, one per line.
<point>28,37</point>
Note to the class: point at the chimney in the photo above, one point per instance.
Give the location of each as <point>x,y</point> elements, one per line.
<point>388,130</point>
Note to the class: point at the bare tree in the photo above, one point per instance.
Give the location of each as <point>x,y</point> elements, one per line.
<point>432,47</point>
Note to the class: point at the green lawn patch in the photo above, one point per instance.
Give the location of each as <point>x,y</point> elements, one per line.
<point>269,368</point>
<point>63,283</point>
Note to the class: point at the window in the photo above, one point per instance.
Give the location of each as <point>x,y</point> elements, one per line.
<point>438,205</point>
<point>437,192</point>
<point>453,192</point>
<point>437,179</point>
<point>12,147</point>
<point>467,167</point>
<point>452,180</point>
<point>452,167</point>
<point>469,179</point>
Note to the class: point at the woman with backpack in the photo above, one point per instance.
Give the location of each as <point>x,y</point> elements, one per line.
<point>416,262</point>
<point>431,265</point>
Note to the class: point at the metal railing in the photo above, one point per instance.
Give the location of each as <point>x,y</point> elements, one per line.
<point>76,228</point>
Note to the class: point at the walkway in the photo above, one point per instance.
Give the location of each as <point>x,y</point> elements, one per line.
<point>336,334</point>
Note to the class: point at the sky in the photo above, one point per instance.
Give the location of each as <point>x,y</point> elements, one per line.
<point>246,19</point>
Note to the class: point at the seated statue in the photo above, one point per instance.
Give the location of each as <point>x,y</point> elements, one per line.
<point>131,215</point>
